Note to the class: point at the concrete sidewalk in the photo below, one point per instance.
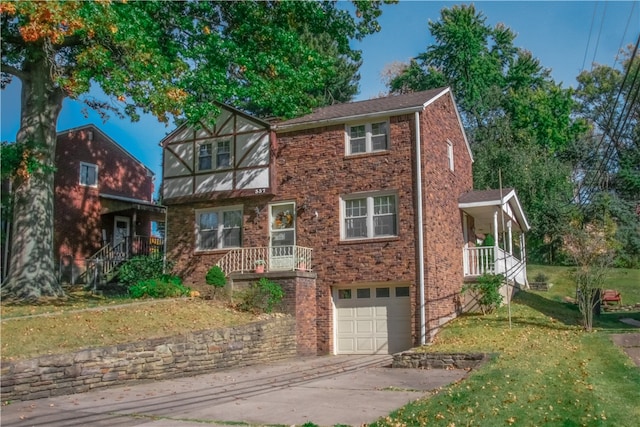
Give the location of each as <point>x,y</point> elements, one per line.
<point>328,390</point>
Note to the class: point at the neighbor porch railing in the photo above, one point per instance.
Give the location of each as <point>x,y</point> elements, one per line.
<point>276,258</point>
<point>493,260</point>
<point>102,266</point>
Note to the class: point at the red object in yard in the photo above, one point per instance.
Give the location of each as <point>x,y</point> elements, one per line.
<point>611,295</point>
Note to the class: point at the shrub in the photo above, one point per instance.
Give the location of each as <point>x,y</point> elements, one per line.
<point>261,297</point>
<point>141,268</point>
<point>163,287</point>
<point>487,291</point>
<point>541,277</point>
<point>215,277</point>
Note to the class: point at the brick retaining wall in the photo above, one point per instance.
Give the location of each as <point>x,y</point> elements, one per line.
<point>155,359</point>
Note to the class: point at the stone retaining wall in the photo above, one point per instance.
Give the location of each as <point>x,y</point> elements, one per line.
<point>183,355</point>
<point>410,359</point>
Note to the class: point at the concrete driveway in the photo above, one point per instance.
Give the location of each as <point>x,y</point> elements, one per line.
<point>328,390</point>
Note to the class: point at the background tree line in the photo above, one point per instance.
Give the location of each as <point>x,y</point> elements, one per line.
<point>572,154</point>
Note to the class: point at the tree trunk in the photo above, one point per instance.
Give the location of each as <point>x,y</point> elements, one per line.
<point>32,269</point>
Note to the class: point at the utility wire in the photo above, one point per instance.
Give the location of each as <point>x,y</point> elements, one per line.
<point>586,51</point>
<point>621,122</point>
<point>595,51</point>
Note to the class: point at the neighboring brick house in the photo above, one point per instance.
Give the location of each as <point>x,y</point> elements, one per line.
<point>103,200</point>
<point>351,184</point>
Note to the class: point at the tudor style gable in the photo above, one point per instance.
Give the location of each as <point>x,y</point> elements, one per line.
<point>228,159</point>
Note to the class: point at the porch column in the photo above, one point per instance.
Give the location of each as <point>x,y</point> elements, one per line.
<point>465,228</point>
<point>510,246</point>
<point>496,235</point>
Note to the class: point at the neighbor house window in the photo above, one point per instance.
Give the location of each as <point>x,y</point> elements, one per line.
<point>218,228</point>
<point>367,138</point>
<point>370,216</point>
<point>214,155</point>
<point>88,174</point>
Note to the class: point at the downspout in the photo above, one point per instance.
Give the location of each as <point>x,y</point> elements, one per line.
<point>423,325</point>
<point>164,242</point>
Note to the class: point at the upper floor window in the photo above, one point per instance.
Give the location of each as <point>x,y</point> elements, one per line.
<point>88,174</point>
<point>367,138</point>
<point>370,216</point>
<point>223,154</point>
<point>218,228</point>
<point>214,155</point>
<point>204,157</point>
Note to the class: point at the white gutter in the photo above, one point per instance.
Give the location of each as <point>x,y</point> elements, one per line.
<point>423,325</point>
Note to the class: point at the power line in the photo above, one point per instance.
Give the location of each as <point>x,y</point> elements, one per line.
<point>622,119</point>
<point>586,51</point>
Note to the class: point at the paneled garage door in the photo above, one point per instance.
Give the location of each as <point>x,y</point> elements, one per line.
<point>372,320</point>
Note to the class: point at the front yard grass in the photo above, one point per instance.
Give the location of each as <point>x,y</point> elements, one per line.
<point>86,321</point>
<point>545,370</point>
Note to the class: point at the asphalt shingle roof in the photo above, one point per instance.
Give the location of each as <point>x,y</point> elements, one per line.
<point>361,108</point>
<point>478,196</point>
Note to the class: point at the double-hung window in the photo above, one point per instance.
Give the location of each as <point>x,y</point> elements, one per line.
<point>205,158</point>
<point>369,216</point>
<point>367,138</point>
<point>218,228</point>
<point>223,154</point>
<point>214,155</point>
<point>88,174</point>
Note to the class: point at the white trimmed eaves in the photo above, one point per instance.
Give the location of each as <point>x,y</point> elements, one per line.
<point>464,134</point>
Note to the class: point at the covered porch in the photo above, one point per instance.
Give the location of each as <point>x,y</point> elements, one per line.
<point>494,227</point>
<point>129,229</point>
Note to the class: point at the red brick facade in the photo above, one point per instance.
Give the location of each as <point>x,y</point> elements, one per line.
<point>311,169</point>
<point>80,210</point>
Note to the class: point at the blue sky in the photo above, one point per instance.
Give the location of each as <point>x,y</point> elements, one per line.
<point>566,36</point>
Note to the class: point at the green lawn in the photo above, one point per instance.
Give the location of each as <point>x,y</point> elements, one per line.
<point>624,280</point>
<point>545,370</point>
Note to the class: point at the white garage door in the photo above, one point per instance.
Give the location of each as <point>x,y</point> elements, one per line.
<point>372,320</point>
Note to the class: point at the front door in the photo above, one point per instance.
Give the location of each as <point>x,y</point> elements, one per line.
<point>283,236</point>
<point>121,233</point>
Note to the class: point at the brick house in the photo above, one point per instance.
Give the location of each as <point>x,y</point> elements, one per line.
<point>103,203</point>
<point>364,212</point>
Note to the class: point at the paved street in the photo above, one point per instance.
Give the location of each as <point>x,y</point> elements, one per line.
<point>326,390</point>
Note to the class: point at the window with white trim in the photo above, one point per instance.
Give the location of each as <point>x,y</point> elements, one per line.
<point>367,138</point>
<point>369,216</point>
<point>88,174</point>
<point>450,155</point>
<point>214,155</point>
<point>218,228</point>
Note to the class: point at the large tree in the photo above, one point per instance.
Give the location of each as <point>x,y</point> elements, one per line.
<point>161,57</point>
<point>519,121</point>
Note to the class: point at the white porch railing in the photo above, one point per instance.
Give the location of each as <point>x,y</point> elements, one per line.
<point>277,258</point>
<point>493,260</point>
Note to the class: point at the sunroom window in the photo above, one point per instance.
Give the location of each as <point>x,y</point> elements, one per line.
<point>218,228</point>
<point>370,216</point>
<point>367,138</point>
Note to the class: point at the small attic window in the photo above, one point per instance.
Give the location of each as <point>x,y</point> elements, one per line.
<point>88,174</point>
<point>450,155</point>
